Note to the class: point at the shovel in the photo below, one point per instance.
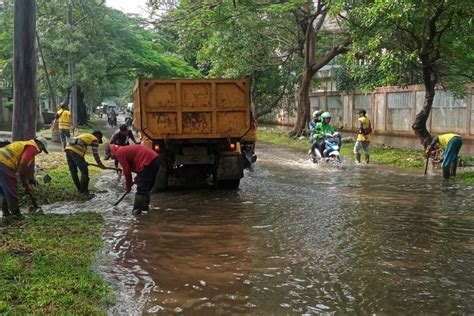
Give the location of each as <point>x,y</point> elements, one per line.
<point>35,208</point>
<point>107,168</point>
<point>123,196</point>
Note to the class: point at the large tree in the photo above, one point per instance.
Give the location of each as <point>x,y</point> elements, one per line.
<point>312,17</point>
<point>408,42</point>
<point>235,39</point>
<point>24,70</point>
<point>281,44</point>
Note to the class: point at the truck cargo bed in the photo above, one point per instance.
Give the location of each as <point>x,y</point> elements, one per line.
<point>192,108</point>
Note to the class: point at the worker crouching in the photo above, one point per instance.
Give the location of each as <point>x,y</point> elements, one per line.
<point>140,160</point>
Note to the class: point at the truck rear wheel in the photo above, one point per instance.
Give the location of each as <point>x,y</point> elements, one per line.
<point>228,184</point>
<point>161,179</point>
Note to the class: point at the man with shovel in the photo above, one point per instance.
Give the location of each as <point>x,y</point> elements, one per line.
<point>17,157</point>
<point>144,162</point>
<point>75,152</point>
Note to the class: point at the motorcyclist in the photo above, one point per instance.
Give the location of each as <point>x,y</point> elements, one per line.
<point>320,131</point>
<point>312,126</point>
<point>315,120</point>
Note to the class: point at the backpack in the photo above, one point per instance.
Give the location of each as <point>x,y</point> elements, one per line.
<point>366,131</point>
<point>75,141</point>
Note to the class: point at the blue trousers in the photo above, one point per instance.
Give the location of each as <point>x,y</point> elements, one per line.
<point>450,155</point>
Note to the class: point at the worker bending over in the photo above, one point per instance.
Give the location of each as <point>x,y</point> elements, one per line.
<point>75,152</point>
<point>17,157</point>
<point>451,145</point>
<point>144,162</point>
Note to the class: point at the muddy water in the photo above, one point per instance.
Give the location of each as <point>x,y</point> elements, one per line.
<point>295,239</point>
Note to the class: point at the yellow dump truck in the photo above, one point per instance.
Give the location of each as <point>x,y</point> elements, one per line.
<point>195,125</point>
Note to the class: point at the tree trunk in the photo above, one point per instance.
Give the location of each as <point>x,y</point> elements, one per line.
<point>81,107</point>
<point>24,72</point>
<point>304,106</point>
<point>419,126</point>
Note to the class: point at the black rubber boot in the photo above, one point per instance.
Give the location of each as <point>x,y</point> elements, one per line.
<point>84,185</point>
<point>16,214</point>
<point>446,172</point>
<point>453,170</point>
<point>5,211</point>
<point>148,197</point>
<point>367,158</point>
<point>358,157</point>
<point>76,181</point>
<point>140,204</point>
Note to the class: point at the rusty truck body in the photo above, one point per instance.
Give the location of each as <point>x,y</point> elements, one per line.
<point>195,125</point>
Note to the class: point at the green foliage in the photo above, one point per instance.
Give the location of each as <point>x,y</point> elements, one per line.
<point>109,50</point>
<point>61,187</point>
<point>466,177</point>
<point>45,266</point>
<point>251,38</point>
<point>6,43</point>
<point>395,40</point>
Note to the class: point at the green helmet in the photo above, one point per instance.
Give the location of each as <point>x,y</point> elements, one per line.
<point>43,142</point>
<point>325,115</point>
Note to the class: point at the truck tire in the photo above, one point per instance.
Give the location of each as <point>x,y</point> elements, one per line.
<point>161,179</point>
<point>228,184</point>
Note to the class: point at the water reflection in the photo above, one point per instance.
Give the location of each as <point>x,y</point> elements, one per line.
<point>296,240</point>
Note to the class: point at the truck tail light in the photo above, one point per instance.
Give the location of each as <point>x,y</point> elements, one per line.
<point>232,146</point>
<point>156,147</point>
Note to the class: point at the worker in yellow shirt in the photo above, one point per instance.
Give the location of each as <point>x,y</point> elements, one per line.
<point>75,152</point>
<point>16,158</point>
<point>63,117</point>
<point>363,136</point>
<point>451,145</point>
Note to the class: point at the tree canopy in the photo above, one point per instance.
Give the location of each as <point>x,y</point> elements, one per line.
<point>109,49</point>
<point>409,42</point>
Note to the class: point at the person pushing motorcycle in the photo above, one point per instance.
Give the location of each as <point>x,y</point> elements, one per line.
<point>322,128</point>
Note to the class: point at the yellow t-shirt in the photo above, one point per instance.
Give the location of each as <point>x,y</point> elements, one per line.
<point>10,155</point>
<point>365,123</point>
<point>86,139</point>
<point>444,139</point>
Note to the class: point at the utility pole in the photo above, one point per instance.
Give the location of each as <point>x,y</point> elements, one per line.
<point>24,71</point>
<point>71,70</point>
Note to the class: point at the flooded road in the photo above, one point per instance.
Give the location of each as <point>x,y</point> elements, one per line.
<point>296,239</point>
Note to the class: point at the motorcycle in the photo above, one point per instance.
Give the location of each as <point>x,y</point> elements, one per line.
<point>112,121</point>
<point>129,122</point>
<point>331,154</point>
<point>248,154</point>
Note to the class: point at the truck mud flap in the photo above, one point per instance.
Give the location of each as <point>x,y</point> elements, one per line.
<point>230,168</point>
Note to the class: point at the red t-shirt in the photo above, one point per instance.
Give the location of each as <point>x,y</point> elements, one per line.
<point>133,158</point>
<point>29,153</point>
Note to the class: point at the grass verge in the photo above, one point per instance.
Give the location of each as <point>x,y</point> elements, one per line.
<point>61,187</point>
<point>45,266</point>
<point>396,157</point>
<point>45,261</point>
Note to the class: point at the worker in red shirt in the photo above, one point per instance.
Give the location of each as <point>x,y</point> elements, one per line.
<point>17,157</point>
<point>144,162</point>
